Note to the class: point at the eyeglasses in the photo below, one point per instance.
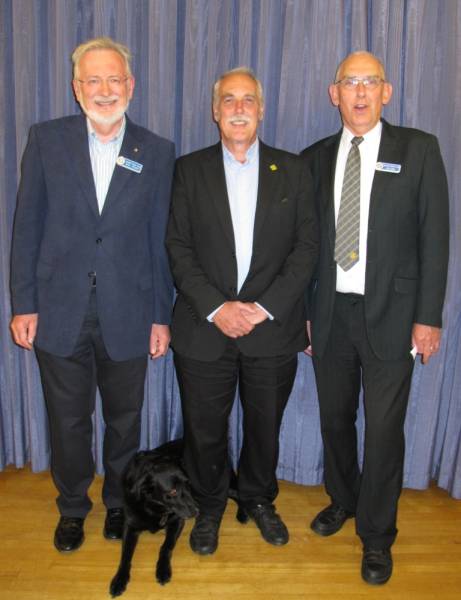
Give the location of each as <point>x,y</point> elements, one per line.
<point>94,83</point>
<point>350,83</point>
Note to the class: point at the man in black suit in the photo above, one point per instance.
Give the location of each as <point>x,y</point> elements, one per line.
<point>242,241</point>
<point>91,286</point>
<point>382,202</point>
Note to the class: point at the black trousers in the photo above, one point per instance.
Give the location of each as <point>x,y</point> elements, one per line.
<point>348,362</point>
<point>69,386</point>
<point>207,393</point>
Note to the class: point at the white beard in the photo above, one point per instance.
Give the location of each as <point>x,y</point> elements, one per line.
<point>106,120</point>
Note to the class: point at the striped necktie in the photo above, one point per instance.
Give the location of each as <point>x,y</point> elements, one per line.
<point>348,225</point>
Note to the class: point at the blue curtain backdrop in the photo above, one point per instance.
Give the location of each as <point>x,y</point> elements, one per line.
<point>294,46</point>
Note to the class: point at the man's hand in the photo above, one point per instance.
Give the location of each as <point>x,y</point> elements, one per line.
<point>426,339</point>
<point>23,329</point>
<point>308,350</point>
<point>253,313</point>
<point>159,340</point>
<point>232,320</point>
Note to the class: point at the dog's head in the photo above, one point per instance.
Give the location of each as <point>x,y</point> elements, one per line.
<point>159,487</point>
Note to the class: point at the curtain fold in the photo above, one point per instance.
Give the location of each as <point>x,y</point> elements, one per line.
<point>179,48</point>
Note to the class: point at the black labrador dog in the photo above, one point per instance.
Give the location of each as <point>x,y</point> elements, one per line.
<point>157,496</point>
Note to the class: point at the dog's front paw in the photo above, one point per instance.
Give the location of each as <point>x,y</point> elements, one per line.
<point>163,571</point>
<point>119,583</point>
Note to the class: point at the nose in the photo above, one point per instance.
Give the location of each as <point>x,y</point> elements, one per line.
<point>104,88</point>
<point>361,89</point>
<point>239,106</point>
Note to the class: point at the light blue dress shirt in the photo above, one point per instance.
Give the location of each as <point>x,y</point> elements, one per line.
<point>242,190</point>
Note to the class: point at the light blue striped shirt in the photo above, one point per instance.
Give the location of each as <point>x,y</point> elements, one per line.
<point>103,157</point>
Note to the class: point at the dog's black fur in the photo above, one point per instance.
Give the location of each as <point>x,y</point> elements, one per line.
<point>157,496</point>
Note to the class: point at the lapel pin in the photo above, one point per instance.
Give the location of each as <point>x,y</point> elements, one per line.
<point>273,167</point>
<point>135,149</point>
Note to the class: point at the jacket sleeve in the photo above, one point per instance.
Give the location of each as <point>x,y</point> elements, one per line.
<point>163,281</point>
<point>433,236</point>
<point>28,227</point>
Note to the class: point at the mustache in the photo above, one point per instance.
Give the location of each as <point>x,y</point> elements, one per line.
<point>112,98</point>
<point>237,118</point>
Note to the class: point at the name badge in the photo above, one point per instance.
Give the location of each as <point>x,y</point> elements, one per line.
<point>129,164</point>
<point>388,167</point>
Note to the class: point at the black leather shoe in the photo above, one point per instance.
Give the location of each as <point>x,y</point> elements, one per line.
<point>204,535</point>
<point>271,526</point>
<point>69,534</point>
<point>376,566</point>
<point>113,525</point>
<point>330,520</point>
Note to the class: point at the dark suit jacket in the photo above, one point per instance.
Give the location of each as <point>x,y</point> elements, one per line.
<point>59,238</point>
<point>200,242</point>
<point>407,246</point>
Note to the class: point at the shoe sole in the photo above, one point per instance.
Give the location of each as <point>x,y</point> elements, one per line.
<point>64,551</point>
<point>376,581</point>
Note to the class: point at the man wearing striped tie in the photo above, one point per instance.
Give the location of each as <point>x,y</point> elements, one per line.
<point>91,286</point>
<point>378,292</point>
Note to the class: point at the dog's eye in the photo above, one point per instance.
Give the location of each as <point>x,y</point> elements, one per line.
<point>173,493</point>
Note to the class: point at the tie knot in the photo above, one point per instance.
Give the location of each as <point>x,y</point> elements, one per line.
<point>355,141</point>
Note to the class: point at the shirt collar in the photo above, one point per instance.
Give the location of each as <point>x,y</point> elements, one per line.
<point>117,137</point>
<point>252,155</point>
<point>370,136</point>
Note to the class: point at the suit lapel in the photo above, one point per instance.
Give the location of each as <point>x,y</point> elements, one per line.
<point>133,149</point>
<point>269,182</point>
<point>215,178</point>
<point>76,145</point>
<point>390,151</point>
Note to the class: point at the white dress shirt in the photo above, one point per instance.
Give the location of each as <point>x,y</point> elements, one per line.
<point>353,280</point>
<point>103,156</point>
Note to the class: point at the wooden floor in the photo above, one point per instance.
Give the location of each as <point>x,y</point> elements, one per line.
<point>427,555</point>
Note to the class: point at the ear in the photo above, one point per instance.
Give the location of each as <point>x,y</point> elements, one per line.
<point>130,83</point>
<point>261,113</point>
<point>334,96</point>
<point>387,92</point>
<point>76,88</point>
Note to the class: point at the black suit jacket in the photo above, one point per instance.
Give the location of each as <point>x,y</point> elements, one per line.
<point>59,238</point>
<point>200,242</point>
<point>407,244</point>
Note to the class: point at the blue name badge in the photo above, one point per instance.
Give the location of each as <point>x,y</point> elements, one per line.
<point>388,167</point>
<point>129,164</point>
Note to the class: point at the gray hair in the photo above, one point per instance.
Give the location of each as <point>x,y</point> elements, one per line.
<point>238,71</point>
<point>100,43</point>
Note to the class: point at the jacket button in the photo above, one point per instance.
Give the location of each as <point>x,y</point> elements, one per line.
<point>99,240</point>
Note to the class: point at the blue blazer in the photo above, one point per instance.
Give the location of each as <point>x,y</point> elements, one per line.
<point>59,238</point>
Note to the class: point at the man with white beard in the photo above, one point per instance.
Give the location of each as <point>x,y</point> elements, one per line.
<point>90,282</point>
